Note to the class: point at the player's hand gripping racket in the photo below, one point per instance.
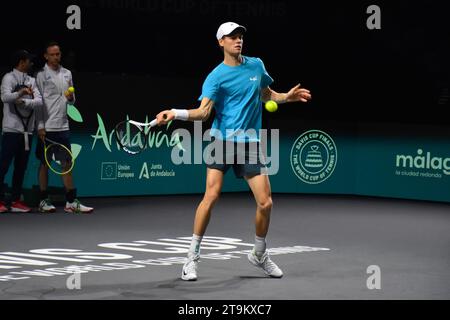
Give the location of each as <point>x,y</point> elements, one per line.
<point>132,136</point>
<point>58,157</point>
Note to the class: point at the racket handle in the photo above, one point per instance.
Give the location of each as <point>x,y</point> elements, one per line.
<point>26,142</point>
<point>155,121</point>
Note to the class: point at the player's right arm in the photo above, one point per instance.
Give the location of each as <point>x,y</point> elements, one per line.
<point>201,113</point>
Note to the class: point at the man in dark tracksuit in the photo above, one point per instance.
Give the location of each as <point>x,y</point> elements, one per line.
<point>20,98</point>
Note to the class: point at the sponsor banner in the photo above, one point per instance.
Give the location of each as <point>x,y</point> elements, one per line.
<point>410,169</point>
<point>314,160</point>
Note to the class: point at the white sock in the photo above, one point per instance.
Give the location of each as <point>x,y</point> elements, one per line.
<point>260,246</point>
<point>195,245</point>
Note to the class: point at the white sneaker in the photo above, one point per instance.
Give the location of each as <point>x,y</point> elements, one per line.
<point>265,264</point>
<point>189,272</point>
<point>46,206</point>
<point>77,207</point>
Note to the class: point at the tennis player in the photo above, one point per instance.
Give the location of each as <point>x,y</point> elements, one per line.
<point>52,121</point>
<point>18,91</point>
<point>235,89</point>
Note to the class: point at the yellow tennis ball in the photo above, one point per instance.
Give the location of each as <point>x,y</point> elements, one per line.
<point>271,106</point>
<point>71,89</point>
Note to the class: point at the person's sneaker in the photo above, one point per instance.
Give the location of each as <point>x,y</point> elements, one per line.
<point>46,206</point>
<point>3,207</point>
<point>77,207</point>
<point>265,264</point>
<point>19,206</point>
<point>189,272</point>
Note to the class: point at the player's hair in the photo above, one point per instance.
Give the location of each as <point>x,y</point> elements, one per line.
<point>51,44</point>
<point>18,56</point>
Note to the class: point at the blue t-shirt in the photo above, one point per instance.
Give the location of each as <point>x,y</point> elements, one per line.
<point>237,102</point>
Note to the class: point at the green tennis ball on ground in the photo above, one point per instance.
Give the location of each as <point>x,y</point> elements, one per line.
<point>71,89</point>
<point>271,106</point>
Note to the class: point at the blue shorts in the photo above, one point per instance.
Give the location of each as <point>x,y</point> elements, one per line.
<point>245,158</point>
<point>62,137</point>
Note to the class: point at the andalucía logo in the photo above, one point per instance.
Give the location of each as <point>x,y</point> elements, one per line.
<point>313,156</point>
<point>75,115</point>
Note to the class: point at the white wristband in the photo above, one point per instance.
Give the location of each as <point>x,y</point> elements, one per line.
<point>181,114</point>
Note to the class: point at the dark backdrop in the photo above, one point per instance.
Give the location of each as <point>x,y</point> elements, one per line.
<point>137,57</point>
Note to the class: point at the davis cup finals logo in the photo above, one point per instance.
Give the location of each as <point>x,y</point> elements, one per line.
<point>313,156</point>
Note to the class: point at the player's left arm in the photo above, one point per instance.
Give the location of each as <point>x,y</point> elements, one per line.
<point>295,94</point>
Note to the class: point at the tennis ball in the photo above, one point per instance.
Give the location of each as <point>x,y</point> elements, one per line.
<point>271,106</point>
<point>71,89</point>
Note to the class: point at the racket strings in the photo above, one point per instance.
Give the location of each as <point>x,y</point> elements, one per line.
<point>59,159</point>
<point>131,138</point>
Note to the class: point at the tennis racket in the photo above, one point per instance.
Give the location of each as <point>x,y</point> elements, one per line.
<point>132,136</point>
<point>24,115</point>
<point>58,157</point>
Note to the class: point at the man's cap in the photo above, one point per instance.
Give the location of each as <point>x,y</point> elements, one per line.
<point>227,28</point>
